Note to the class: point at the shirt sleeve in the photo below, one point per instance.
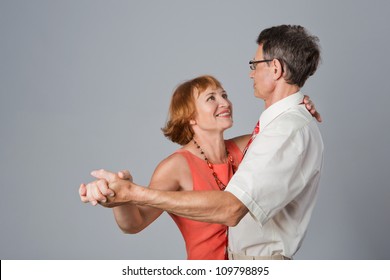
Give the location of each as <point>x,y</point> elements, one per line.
<point>270,177</point>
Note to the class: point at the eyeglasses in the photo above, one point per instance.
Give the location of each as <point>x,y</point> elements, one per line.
<point>253,63</point>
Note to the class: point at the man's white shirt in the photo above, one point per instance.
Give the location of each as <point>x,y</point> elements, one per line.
<point>278,181</point>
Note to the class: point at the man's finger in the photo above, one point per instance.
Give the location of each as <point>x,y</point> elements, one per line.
<point>125,175</point>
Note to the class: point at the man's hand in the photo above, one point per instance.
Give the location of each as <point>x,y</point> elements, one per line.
<point>125,175</point>
<point>311,108</point>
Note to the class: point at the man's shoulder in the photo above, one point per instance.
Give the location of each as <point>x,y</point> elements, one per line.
<point>294,118</point>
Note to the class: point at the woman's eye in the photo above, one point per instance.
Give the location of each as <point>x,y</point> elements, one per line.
<point>211,98</point>
<point>225,96</point>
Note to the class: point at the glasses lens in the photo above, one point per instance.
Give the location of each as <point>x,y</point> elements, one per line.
<point>252,65</point>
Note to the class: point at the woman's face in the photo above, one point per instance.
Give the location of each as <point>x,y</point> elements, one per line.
<point>213,110</point>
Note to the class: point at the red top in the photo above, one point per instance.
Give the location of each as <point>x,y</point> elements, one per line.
<point>205,241</point>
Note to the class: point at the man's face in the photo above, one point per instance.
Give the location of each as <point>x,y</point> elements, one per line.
<point>263,83</point>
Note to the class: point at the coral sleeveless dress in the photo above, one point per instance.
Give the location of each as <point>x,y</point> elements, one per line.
<point>206,241</point>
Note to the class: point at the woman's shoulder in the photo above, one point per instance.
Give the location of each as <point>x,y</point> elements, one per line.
<point>174,160</point>
<point>240,141</point>
<point>172,173</point>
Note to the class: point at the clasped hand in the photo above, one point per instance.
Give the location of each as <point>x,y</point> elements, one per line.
<point>109,190</point>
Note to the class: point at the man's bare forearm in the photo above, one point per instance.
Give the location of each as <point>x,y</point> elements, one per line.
<point>205,206</point>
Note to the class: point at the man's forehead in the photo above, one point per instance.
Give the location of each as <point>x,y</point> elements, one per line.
<point>259,52</point>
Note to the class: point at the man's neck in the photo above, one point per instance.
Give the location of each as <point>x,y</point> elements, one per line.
<point>280,93</point>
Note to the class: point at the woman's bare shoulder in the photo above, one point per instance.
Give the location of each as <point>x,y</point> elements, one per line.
<point>241,141</point>
<point>171,173</point>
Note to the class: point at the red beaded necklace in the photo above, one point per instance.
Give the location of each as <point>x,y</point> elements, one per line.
<point>221,185</point>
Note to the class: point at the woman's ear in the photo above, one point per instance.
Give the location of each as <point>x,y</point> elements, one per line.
<point>192,122</point>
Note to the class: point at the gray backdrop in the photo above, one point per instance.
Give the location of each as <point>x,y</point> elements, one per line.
<point>86,85</point>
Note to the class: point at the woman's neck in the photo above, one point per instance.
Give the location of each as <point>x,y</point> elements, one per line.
<point>213,147</point>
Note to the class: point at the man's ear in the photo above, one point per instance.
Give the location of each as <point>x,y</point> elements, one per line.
<point>277,69</point>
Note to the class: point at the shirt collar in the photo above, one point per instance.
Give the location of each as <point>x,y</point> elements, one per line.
<point>279,107</point>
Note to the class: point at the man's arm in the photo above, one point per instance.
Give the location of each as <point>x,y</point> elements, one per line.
<point>205,206</point>
<point>169,175</point>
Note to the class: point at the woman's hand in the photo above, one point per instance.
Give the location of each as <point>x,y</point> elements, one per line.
<point>311,108</point>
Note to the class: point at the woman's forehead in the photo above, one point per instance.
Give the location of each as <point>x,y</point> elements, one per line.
<point>209,89</point>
